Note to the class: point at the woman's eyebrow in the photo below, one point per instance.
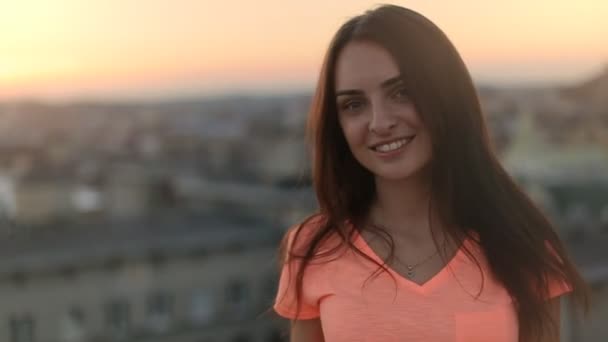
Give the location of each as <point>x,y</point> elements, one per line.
<point>385,84</point>
<point>391,82</point>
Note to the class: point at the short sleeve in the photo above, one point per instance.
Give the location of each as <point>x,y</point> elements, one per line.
<point>285,303</point>
<point>557,287</point>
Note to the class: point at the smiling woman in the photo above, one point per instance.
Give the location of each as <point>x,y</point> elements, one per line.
<point>410,190</point>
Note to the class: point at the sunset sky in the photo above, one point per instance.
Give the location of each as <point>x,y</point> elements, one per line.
<point>67,49</point>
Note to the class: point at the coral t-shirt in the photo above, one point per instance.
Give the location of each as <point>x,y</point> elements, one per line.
<point>444,308</point>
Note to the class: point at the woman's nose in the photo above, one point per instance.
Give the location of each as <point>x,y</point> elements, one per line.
<point>382,122</point>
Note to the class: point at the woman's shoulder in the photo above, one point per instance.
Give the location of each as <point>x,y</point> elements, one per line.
<point>313,230</point>
<point>300,235</point>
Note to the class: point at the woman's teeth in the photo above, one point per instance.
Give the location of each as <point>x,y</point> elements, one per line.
<point>392,146</point>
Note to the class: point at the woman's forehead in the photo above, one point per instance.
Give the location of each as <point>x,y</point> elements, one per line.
<point>363,66</point>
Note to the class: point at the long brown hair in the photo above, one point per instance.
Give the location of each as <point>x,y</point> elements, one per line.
<point>469,187</point>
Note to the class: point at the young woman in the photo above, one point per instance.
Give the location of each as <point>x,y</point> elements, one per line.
<point>421,235</point>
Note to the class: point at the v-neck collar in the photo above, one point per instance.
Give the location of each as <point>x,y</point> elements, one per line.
<point>423,288</point>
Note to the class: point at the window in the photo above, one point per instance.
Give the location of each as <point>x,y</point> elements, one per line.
<point>117,313</point>
<point>274,335</point>
<point>578,220</point>
<point>242,337</point>
<point>604,218</point>
<point>578,215</point>
<point>236,294</point>
<point>159,311</point>
<point>269,287</point>
<point>202,307</point>
<point>73,325</point>
<point>22,328</point>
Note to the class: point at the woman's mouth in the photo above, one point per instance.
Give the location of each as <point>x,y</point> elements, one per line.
<point>393,145</point>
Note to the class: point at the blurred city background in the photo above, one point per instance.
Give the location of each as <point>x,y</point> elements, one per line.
<point>152,153</point>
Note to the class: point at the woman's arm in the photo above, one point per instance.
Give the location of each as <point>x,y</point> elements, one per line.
<point>308,330</point>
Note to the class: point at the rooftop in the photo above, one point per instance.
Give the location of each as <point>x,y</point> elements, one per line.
<point>95,244</point>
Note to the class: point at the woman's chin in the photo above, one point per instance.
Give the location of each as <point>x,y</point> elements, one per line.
<point>397,174</point>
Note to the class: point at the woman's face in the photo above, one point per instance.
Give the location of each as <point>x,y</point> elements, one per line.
<point>379,120</point>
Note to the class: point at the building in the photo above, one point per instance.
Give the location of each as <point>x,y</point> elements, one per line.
<point>185,279</point>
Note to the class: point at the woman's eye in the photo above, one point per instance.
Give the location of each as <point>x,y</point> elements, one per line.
<point>352,105</point>
<point>400,94</point>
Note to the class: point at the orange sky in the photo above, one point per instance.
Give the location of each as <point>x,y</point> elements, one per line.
<point>61,49</point>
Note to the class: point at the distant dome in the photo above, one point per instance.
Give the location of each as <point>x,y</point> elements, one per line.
<point>592,92</point>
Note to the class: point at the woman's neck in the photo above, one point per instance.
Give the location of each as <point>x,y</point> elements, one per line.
<point>402,208</point>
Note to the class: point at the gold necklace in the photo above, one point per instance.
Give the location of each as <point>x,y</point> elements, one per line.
<point>411,272</point>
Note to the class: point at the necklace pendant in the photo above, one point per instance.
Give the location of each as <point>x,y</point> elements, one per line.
<point>410,272</point>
